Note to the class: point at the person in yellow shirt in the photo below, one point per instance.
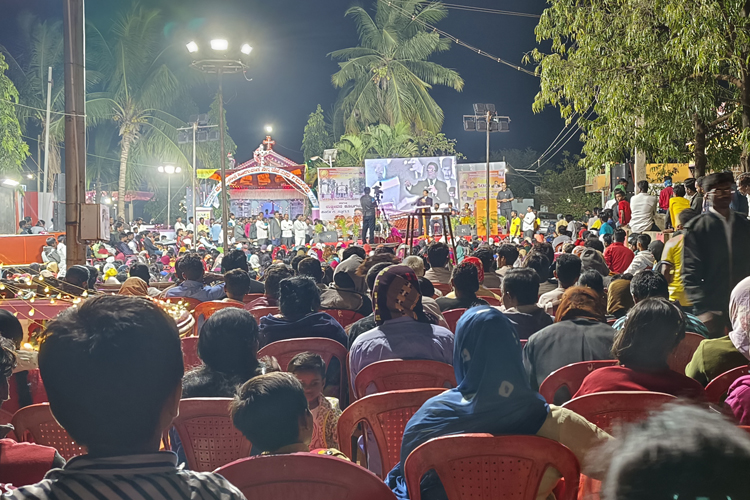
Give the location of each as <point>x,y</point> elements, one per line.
<point>677,204</point>
<point>515,224</point>
<point>672,257</point>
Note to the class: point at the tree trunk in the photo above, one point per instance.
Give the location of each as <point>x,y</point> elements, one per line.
<point>699,143</point>
<point>745,103</point>
<point>125,151</point>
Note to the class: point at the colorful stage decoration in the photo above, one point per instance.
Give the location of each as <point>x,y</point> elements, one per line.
<point>339,190</point>
<point>473,181</point>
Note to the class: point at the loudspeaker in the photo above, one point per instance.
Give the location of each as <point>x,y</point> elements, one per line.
<point>329,237</point>
<point>621,171</point>
<point>463,230</point>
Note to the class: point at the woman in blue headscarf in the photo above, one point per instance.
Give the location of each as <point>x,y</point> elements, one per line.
<point>493,396</point>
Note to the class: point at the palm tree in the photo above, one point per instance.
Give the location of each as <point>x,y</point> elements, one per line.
<point>140,94</point>
<point>380,141</point>
<point>353,150</point>
<point>388,77</point>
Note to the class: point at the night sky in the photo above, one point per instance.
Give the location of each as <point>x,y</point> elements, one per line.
<point>291,72</point>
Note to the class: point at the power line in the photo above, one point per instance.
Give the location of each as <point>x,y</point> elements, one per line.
<point>566,136</point>
<point>42,110</point>
<point>458,41</point>
<point>486,10</point>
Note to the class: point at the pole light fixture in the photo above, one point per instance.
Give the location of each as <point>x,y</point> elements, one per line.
<point>169,170</point>
<point>268,129</point>
<point>192,47</point>
<point>485,120</point>
<point>230,59</point>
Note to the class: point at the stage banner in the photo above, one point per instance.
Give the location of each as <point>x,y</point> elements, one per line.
<point>339,191</point>
<point>473,180</point>
<point>403,180</point>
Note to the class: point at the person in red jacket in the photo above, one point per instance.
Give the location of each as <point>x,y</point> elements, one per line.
<point>665,194</point>
<point>623,208</point>
<point>617,256</point>
<point>21,464</point>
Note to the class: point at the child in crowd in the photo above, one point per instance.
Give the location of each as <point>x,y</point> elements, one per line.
<point>271,412</point>
<point>310,370</point>
<point>112,368</point>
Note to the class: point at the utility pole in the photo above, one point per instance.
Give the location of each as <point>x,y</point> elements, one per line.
<point>194,177</point>
<point>224,192</point>
<point>75,127</point>
<point>46,128</point>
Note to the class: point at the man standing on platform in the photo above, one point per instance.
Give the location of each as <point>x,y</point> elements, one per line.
<point>300,230</point>
<point>505,201</point>
<point>287,236</point>
<point>424,205</point>
<point>529,223</point>
<point>368,216</point>
<point>274,229</point>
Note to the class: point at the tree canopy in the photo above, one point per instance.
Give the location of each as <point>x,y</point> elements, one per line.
<point>13,150</point>
<point>317,137</point>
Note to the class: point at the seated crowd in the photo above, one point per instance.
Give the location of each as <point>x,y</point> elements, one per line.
<point>114,374</point>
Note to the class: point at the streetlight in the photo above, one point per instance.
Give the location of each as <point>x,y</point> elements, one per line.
<point>169,170</point>
<point>223,61</point>
<point>485,119</point>
<point>269,129</point>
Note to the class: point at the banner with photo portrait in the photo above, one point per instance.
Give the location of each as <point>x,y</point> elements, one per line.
<point>339,191</point>
<point>403,182</point>
<point>473,181</point>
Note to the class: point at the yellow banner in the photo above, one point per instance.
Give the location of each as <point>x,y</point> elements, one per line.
<point>205,173</point>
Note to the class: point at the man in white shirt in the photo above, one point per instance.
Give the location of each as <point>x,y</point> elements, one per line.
<point>529,223</point>
<point>287,227</point>
<point>300,229</point>
<point>190,225</point>
<point>643,210</point>
<point>62,251</point>
<point>179,225</point>
<point>261,227</point>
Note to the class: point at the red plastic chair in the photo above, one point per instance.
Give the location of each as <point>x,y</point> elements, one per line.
<point>249,297</point>
<point>304,475</point>
<point>716,390</point>
<point>189,303</point>
<point>260,312</point>
<point>523,342</point>
<point>684,351</point>
<point>491,300</point>
<point>608,409</point>
<point>745,428</point>
<point>444,289</point>
<point>386,414</point>
<point>285,350</point>
<point>205,310</point>
<point>496,291</point>
<point>190,352</point>
<point>399,375</point>
<point>208,436</point>
<point>35,424</point>
<point>612,321</point>
<point>452,316</point>
<point>570,376</point>
<point>343,316</point>
<point>487,467</point>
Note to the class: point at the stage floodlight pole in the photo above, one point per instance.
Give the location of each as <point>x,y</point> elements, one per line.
<point>225,194</point>
<point>488,117</point>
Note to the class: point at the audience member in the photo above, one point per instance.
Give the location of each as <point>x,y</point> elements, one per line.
<point>416,263</point>
<point>465,283</point>
<point>567,272</point>
<point>541,264</point>
<point>673,258</point>
<point>644,259</point>
<point>738,400</point>
<point>677,204</point>
<point>139,270</point>
<point>594,243</point>
<point>309,266</point>
<point>191,267</point>
<point>643,208</point>
<point>578,334</point>
<point>236,286</point>
<point>438,257</point>
<point>520,294</point>
<point>310,370</point>
<point>117,412</point>
<point>368,322</point>
<point>135,287</point>
<point>349,289</point>
<point>650,284</point>
<point>299,304</point>
<point>680,452</point>
<point>483,291</point>
<point>507,255</point>
<point>274,275</point>
<point>716,356</point>
<point>487,356</point>
<point>652,331</point>
<point>491,279</point>
<point>617,256</point>
<point>236,259</point>
<point>619,298</point>
<point>593,280</point>
<point>76,280</point>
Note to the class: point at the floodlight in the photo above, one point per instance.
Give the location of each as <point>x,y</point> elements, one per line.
<point>330,154</point>
<point>10,182</point>
<point>177,170</point>
<point>183,138</point>
<point>268,129</point>
<point>470,123</point>
<point>169,169</point>
<point>201,136</point>
<point>219,44</point>
<point>29,176</point>
<point>246,49</point>
<point>161,169</point>
<point>192,47</point>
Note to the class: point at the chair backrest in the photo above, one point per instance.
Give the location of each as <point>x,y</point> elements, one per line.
<point>444,289</point>
<point>343,316</point>
<point>716,390</point>
<point>249,297</point>
<point>208,436</point>
<point>496,291</point>
<point>487,467</point>
<point>684,351</point>
<point>304,475</point>
<point>285,350</point>
<point>608,409</point>
<point>35,424</point>
<point>190,352</point>
<point>452,316</point>
<point>611,321</point>
<point>205,310</point>
<point>386,414</point>
<point>491,300</point>
<point>399,374</point>
<point>570,376</point>
<point>188,302</point>
<point>260,312</point>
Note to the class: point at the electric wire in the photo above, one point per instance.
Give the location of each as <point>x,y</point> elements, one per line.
<point>486,10</point>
